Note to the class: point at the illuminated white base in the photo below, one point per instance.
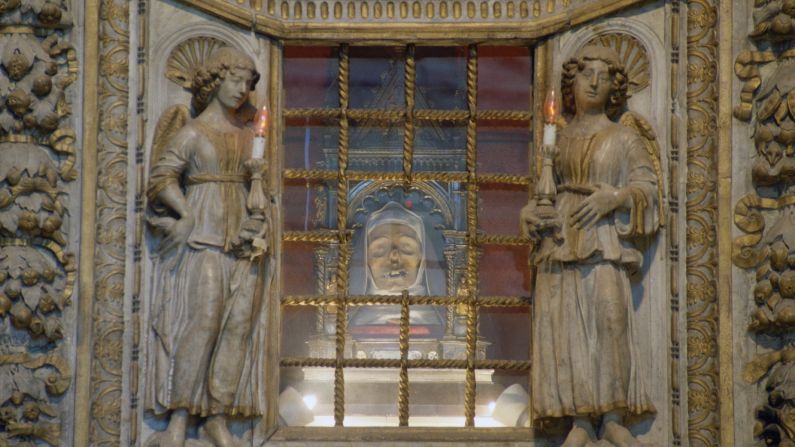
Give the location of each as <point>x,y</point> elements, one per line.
<point>436,397</point>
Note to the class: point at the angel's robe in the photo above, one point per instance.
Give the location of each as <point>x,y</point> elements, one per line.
<point>584,354</point>
<point>206,344</point>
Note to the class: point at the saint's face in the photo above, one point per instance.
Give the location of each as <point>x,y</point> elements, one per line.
<point>394,254</point>
<point>234,88</point>
<point>592,86</point>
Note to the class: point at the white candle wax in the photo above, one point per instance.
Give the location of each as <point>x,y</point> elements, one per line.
<point>550,131</point>
<point>258,150</point>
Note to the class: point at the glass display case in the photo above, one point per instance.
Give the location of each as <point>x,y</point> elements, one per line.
<point>405,170</point>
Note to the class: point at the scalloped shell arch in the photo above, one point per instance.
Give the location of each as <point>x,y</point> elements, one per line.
<point>632,55</point>
<point>188,56</point>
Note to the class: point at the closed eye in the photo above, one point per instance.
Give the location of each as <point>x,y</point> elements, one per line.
<point>379,247</point>
<point>409,246</point>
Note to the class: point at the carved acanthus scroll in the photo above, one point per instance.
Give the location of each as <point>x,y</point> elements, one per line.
<point>37,162</point>
<point>767,215</point>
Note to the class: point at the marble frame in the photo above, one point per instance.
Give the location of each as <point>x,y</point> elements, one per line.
<point>114,25</point>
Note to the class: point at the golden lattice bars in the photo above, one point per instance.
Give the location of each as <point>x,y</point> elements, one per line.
<point>474,238</point>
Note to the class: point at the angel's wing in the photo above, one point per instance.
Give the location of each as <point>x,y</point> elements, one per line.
<point>646,132</point>
<point>170,122</point>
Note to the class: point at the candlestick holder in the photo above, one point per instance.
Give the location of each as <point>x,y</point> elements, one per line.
<point>256,202</point>
<point>252,242</point>
<point>546,192</point>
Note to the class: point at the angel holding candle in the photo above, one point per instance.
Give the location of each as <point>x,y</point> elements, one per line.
<point>602,197</point>
<point>209,284</point>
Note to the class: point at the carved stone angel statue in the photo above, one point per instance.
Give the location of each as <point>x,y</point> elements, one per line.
<point>609,194</point>
<point>206,339</point>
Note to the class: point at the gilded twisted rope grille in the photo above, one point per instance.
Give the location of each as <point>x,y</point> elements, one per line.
<point>403,382</point>
<point>344,252</point>
<point>508,365</point>
<point>380,300</point>
<point>424,176</point>
<point>472,228</point>
<point>469,178</point>
<point>408,160</point>
<point>386,116</point>
<point>408,127</point>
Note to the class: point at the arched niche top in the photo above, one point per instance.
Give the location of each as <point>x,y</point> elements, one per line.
<point>619,25</point>
<point>656,54</point>
<point>162,48</point>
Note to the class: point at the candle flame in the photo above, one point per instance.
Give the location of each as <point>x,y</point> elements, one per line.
<point>551,107</point>
<point>261,122</point>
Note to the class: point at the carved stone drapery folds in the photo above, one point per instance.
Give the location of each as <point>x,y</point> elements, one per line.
<point>37,165</point>
<point>767,215</point>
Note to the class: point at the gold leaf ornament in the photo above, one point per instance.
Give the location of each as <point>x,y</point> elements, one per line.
<point>791,103</point>
<point>770,106</point>
<point>646,132</point>
<point>188,56</point>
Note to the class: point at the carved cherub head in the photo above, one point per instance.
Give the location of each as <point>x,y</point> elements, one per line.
<point>226,62</point>
<point>604,81</point>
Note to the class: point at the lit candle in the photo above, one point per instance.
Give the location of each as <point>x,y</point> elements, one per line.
<point>260,130</point>
<point>550,117</point>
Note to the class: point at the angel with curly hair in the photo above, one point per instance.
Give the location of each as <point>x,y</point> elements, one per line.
<point>607,176</point>
<point>207,300</point>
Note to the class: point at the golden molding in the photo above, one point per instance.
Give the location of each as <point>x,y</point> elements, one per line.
<point>703,393</point>
<point>104,269</point>
<point>407,20</point>
<point>17,29</point>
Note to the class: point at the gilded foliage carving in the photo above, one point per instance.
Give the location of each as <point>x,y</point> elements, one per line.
<point>37,275</point>
<point>701,249</point>
<point>111,209</point>
<point>766,216</point>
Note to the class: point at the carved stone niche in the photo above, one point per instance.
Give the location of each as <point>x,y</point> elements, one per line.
<point>180,42</point>
<point>638,41</point>
<point>177,39</point>
<point>37,271</point>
